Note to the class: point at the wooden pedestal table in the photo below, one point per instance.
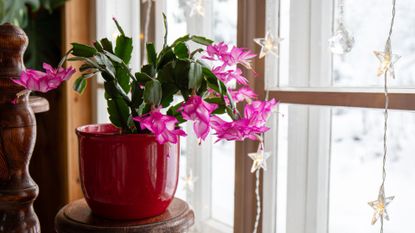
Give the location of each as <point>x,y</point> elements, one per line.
<point>76,217</point>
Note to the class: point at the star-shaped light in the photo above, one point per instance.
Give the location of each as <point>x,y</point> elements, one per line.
<point>387,60</point>
<point>269,44</point>
<point>379,206</point>
<point>196,7</point>
<point>189,181</point>
<point>259,159</point>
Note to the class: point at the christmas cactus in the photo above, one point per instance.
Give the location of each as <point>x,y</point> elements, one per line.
<point>143,102</point>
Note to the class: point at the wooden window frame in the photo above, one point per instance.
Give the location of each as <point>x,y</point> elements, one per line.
<point>299,93</point>
<point>251,24</point>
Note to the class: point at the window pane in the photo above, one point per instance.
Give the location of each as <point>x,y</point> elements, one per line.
<point>369,21</point>
<point>329,166</point>
<point>223,153</point>
<point>282,167</point>
<point>176,19</point>
<point>224,20</point>
<point>102,113</point>
<point>223,181</point>
<point>306,61</point>
<point>356,163</point>
<point>213,197</point>
<point>284,31</point>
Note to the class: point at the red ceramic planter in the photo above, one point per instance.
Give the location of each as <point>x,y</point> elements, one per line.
<point>126,176</point>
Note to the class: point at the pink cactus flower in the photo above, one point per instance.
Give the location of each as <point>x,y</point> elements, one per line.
<point>240,56</point>
<point>216,51</point>
<point>228,75</point>
<point>250,126</point>
<point>43,82</point>
<point>258,112</point>
<point>219,52</point>
<point>162,126</point>
<point>237,130</point>
<point>198,110</point>
<point>242,94</point>
<point>60,73</point>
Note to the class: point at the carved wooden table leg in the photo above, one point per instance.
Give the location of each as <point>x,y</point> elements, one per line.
<point>17,139</point>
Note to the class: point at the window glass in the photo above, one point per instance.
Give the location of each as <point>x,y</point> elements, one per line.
<point>284,49</point>
<point>356,163</point>
<point>282,166</point>
<point>175,13</point>
<point>353,173</point>
<point>223,181</point>
<point>223,153</point>
<point>369,21</point>
<point>221,18</point>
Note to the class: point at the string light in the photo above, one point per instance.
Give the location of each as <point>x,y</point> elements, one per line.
<point>189,181</point>
<point>342,41</point>
<point>259,159</point>
<point>387,59</point>
<point>196,7</point>
<point>379,206</point>
<point>269,44</point>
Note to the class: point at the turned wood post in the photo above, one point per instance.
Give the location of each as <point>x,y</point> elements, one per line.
<point>17,138</point>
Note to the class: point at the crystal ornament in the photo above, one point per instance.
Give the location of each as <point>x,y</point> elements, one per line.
<point>342,41</point>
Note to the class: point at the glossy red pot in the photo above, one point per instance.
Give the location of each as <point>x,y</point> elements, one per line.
<point>126,176</point>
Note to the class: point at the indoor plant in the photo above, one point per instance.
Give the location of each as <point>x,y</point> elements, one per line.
<point>129,169</point>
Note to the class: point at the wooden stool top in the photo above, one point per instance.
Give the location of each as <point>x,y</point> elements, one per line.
<point>76,217</point>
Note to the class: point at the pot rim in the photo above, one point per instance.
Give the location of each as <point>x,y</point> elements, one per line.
<point>113,131</point>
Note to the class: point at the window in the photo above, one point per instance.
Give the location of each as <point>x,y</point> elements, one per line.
<point>326,138</point>
<point>212,165</point>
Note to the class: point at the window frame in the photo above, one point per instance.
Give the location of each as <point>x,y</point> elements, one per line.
<point>311,215</point>
<point>251,24</point>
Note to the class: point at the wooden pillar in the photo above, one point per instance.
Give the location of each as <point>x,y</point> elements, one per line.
<point>251,24</point>
<point>75,109</point>
<point>17,139</point>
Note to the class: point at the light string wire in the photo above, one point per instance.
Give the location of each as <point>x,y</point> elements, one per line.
<point>258,200</point>
<point>388,49</point>
<point>340,17</point>
<point>268,25</point>
<point>257,181</point>
<point>146,29</point>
